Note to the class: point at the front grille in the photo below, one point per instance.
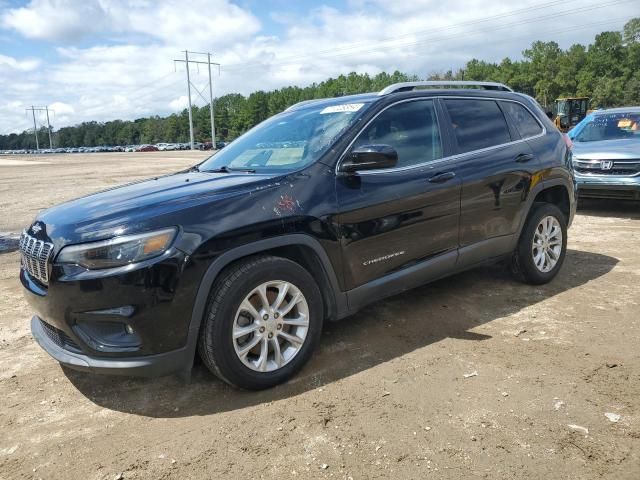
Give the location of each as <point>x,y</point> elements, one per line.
<point>620,168</point>
<point>58,337</point>
<point>35,257</point>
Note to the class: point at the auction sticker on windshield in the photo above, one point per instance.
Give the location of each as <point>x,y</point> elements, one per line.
<point>347,107</point>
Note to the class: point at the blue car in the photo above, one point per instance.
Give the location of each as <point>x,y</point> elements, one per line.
<point>606,154</point>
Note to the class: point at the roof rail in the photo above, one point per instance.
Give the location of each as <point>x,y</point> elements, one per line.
<point>405,86</point>
<point>304,102</point>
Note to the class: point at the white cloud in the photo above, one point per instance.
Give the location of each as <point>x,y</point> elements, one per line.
<point>58,20</point>
<point>214,22</point>
<point>62,108</point>
<point>18,82</point>
<point>126,71</point>
<point>180,103</point>
<point>10,63</point>
<point>170,21</point>
<point>61,114</point>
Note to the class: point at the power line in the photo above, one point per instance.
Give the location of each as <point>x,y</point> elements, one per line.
<point>563,30</point>
<point>430,40</point>
<point>569,29</point>
<point>397,41</point>
<point>420,32</point>
<point>148,84</point>
<point>392,42</point>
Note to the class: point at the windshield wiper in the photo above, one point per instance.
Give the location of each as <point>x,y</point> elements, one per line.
<point>225,169</point>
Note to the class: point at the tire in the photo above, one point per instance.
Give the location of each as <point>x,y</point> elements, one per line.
<point>250,280</point>
<point>532,267</point>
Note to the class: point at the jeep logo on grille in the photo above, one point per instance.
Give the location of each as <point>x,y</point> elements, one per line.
<point>35,229</point>
<point>606,165</point>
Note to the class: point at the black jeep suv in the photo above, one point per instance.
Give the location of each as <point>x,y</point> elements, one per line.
<point>314,213</point>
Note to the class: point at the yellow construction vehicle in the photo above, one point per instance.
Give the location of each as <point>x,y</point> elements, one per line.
<point>570,111</point>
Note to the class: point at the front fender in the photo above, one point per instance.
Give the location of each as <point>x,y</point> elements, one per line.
<point>253,248</point>
<point>540,187</point>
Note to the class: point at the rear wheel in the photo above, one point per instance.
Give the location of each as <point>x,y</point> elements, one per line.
<point>263,320</point>
<point>543,244</point>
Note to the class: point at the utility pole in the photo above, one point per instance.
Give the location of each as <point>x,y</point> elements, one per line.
<point>35,127</point>
<point>189,85</point>
<point>49,128</point>
<point>186,62</point>
<point>213,126</point>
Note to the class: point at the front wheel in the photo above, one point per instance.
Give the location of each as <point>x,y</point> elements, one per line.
<point>263,321</point>
<point>542,245</point>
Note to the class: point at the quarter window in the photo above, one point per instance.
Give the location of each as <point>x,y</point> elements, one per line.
<point>477,124</point>
<point>411,128</point>
<point>526,125</point>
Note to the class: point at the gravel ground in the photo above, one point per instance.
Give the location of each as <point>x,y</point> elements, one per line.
<point>474,376</point>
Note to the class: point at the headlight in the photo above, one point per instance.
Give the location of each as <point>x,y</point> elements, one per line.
<point>118,251</point>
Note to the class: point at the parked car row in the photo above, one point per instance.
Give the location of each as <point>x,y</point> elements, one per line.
<point>63,150</point>
<point>119,148</point>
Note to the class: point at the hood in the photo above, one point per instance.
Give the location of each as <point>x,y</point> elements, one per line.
<point>623,149</point>
<point>142,205</point>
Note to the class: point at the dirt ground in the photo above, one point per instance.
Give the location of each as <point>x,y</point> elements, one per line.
<point>475,376</point>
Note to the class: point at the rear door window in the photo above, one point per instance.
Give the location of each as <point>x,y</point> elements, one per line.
<point>522,119</point>
<point>477,124</point>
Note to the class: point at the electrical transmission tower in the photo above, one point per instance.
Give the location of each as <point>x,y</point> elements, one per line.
<point>186,61</point>
<point>35,127</point>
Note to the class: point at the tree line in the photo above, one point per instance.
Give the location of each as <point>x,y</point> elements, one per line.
<point>607,71</point>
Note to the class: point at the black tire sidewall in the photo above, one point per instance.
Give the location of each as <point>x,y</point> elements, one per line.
<point>227,362</point>
<point>525,258</point>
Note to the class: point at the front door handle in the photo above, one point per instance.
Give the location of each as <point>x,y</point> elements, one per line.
<point>524,158</point>
<point>442,177</point>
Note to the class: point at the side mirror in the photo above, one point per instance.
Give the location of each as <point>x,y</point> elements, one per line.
<point>369,157</point>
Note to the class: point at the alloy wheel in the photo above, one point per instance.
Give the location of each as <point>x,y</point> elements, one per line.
<point>270,326</point>
<point>547,244</point>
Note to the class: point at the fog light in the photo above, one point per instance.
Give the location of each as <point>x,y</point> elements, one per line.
<point>129,329</point>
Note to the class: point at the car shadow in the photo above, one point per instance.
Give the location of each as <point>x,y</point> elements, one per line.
<point>609,208</point>
<point>9,242</point>
<point>449,308</point>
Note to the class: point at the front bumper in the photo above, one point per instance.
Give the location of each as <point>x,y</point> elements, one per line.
<point>619,188</point>
<point>133,323</point>
<point>147,366</point>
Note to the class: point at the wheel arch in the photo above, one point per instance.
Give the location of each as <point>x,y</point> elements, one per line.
<point>558,195</point>
<point>556,191</point>
<point>300,248</point>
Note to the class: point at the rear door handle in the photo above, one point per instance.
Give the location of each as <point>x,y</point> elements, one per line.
<point>524,158</point>
<point>442,177</point>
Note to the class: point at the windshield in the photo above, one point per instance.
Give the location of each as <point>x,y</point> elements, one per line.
<point>287,141</point>
<point>563,107</point>
<point>608,126</point>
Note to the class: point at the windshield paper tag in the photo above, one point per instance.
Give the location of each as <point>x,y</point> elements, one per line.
<point>347,107</point>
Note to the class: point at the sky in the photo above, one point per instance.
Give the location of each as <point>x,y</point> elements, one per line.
<point>113,59</point>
